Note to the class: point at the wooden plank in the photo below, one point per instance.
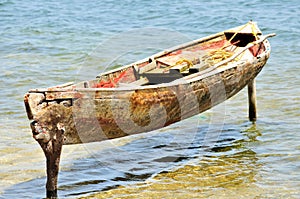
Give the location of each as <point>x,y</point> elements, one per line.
<point>54,88</point>
<point>198,67</point>
<point>147,67</point>
<point>179,68</point>
<point>139,82</point>
<point>169,60</point>
<point>158,70</point>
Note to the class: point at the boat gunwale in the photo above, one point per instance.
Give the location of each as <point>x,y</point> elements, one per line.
<point>213,70</point>
<point>206,73</point>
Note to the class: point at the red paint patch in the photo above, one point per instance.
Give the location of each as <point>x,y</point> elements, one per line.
<point>110,83</point>
<point>178,52</point>
<point>213,45</point>
<point>257,49</point>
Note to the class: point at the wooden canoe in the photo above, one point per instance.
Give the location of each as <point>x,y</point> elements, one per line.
<point>151,93</point>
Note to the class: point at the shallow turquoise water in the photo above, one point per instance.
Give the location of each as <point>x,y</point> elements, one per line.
<point>49,43</point>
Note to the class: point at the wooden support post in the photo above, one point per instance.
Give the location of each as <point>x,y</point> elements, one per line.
<point>52,152</point>
<point>252,101</point>
<point>51,142</point>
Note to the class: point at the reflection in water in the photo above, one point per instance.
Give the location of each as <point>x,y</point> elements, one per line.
<point>153,166</point>
<point>226,167</point>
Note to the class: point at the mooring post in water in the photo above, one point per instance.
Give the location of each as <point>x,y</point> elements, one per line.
<point>252,100</point>
<point>51,142</point>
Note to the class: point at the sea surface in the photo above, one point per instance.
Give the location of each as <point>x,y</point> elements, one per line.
<point>216,154</point>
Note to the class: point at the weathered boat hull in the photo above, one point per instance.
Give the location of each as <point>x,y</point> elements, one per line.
<point>96,116</point>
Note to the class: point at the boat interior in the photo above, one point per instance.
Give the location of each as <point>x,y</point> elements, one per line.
<point>178,63</point>
<point>182,61</point>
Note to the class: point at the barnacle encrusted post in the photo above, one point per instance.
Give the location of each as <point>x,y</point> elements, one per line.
<point>49,133</point>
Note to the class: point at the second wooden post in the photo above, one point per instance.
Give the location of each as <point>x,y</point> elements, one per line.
<point>252,101</point>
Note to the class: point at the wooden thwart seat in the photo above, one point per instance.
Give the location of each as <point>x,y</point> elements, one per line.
<point>198,67</point>
<point>140,82</point>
